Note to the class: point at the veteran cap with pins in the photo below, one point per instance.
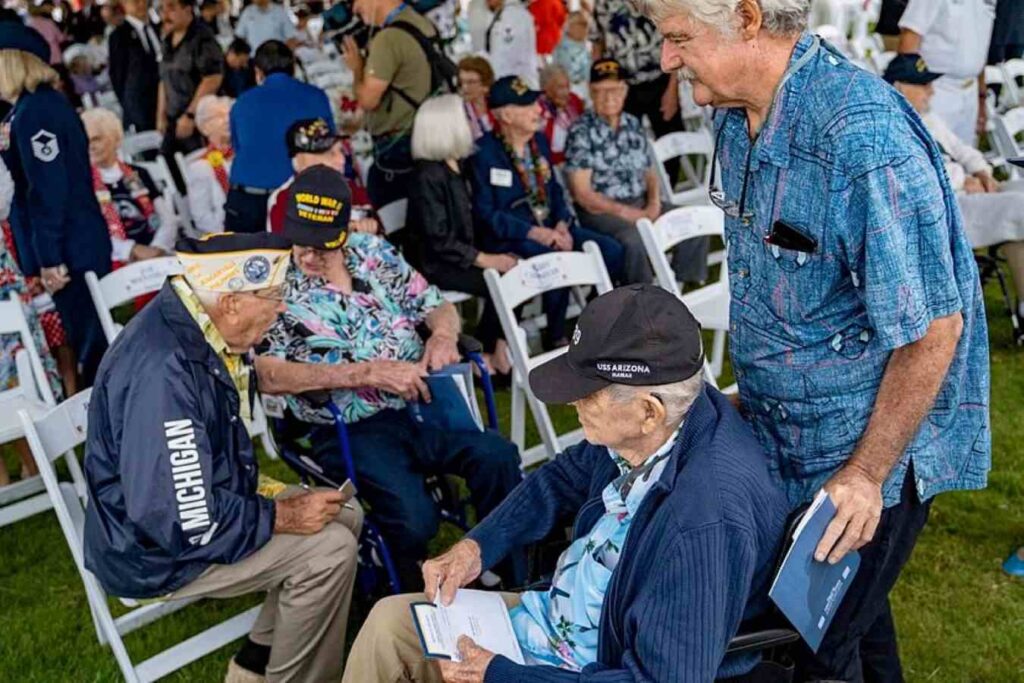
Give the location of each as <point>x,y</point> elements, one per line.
<point>234,262</point>
<point>319,208</point>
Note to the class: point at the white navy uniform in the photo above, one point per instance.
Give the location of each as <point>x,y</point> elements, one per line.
<point>512,43</point>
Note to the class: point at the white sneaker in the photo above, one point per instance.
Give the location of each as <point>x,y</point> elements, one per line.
<point>238,674</point>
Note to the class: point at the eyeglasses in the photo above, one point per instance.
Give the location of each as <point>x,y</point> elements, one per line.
<point>275,294</point>
<point>717,195</point>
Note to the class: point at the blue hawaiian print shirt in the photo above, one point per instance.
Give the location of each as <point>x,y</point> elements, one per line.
<point>844,159</point>
<point>619,159</point>
<point>559,626</point>
<point>376,322</point>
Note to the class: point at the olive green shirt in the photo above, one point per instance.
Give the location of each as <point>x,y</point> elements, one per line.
<point>396,57</point>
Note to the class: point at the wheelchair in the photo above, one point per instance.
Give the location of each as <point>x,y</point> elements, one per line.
<point>376,567</point>
<point>991,265</point>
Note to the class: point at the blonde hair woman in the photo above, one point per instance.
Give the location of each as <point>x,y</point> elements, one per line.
<point>140,220</point>
<point>59,232</point>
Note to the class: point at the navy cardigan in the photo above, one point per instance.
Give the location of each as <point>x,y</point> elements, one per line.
<point>697,561</point>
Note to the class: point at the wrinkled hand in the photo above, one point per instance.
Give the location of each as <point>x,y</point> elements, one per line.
<point>54,279</point>
<point>669,104</point>
<point>858,501</point>
<point>441,350</point>
<point>563,241</point>
<point>370,226</point>
<point>972,185</point>
<point>562,227</point>
<point>988,183</point>
<point>542,235</point>
<point>141,252</point>
<point>401,378</point>
<point>473,666</point>
<point>456,568</point>
<point>307,513</point>
<point>184,127</point>
<point>351,55</point>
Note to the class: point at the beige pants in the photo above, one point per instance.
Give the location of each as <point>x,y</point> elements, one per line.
<point>388,649</point>
<point>308,580</point>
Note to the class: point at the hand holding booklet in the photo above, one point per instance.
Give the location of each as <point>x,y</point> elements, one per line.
<point>453,406</point>
<point>481,615</point>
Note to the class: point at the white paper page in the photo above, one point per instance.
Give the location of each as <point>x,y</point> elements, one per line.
<point>483,617</point>
<point>433,630</point>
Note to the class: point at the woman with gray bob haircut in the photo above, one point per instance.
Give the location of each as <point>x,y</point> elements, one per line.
<point>440,216</point>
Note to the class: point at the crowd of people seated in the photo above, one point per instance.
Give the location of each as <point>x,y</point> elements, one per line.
<point>294,284</point>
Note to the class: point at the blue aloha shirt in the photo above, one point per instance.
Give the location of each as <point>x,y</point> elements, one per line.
<point>845,159</point>
<point>376,322</point>
<point>629,38</point>
<point>619,158</point>
<point>559,627</point>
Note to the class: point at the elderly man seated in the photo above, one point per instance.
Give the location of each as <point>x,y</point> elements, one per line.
<point>175,509</point>
<point>993,212</point>
<point>353,308</point>
<point>518,202</point>
<point>610,168</point>
<point>678,522</point>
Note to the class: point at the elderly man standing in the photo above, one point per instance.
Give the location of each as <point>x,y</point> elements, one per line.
<point>858,332</point>
<point>176,505</point>
<point>677,521</point>
<point>612,179</point>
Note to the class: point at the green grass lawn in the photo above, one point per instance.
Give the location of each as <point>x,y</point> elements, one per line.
<point>960,619</point>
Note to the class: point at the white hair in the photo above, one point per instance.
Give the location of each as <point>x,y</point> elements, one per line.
<point>677,397</point>
<point>209,107</point>
<point>102,121</point>
<point>441,130</point>
<point>550,71</point>
<point>779,17</point>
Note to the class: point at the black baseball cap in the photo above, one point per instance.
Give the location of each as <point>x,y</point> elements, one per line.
<point>909,68</point>
<point>637,335</point>
<point>511,90</point>
<point>607,70</point>
<point>318,210</point>
<point>312,136</point>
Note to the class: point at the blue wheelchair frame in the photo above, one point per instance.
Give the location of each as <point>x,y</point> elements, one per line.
<point>373,550</point>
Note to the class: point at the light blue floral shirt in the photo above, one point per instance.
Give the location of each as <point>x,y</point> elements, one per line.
<point>843,158</point>
<point>559,627</point>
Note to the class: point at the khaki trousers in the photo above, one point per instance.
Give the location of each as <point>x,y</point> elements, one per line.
<point>388,649</point>
<point>308,580</point>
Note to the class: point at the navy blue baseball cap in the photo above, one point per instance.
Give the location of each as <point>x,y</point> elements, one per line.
<point>17,36</point>
<point>909,68</point>
<point>511,90</point>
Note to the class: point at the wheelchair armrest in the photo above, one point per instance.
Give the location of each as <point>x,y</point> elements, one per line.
<point>756,641</point>
<point>468,345</point>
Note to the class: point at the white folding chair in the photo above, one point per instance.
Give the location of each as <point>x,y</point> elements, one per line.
<point>160,172</point>
<point>124,284</point>
<point>26,497</point>
<point>1013,72</point>
<point>135,145</point>
<point>709,304</point>
<point>55,434</point>
<point>392,216</point>
<point>1005,129</point>
<point>682,145</point>
<point>528,280</point>
<point>1007,97</point>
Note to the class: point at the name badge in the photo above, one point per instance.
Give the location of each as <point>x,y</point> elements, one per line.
<point>501,177</point>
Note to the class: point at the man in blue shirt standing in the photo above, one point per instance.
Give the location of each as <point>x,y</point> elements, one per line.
<point>858,331</point>
<point>259,121</point>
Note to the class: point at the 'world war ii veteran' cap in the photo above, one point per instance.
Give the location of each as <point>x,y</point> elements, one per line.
<point>234,262</point>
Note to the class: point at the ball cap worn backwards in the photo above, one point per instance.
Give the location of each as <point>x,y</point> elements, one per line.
<point>639,335</point>
<point>318,210</point>
<point>234,262</point>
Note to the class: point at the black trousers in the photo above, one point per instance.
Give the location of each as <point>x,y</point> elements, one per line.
<point>245,212</point>
<point>471,281</point>
<point>645,98</point>
<point>860,646</point>
<point>82,326</point>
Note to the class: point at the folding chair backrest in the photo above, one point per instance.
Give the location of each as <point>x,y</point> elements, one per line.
<point>392,216</point>
<point>1005,129</point>
<point>160,172</point>
<point>136,144</point>
<point>126,283</point>
<point>676,226</point>
<point>681,145</point>
<point>539,274</point>
<point>13,321</point>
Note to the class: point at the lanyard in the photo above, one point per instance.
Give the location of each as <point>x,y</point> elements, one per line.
<point>394,13</point>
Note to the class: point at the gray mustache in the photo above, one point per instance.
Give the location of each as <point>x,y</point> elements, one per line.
<point>686,73</point>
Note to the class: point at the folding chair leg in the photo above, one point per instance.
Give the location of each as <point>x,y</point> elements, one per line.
<point>718,352</point>
<point>544,427</point>
<point>518,421</point>
<point>75,470</point>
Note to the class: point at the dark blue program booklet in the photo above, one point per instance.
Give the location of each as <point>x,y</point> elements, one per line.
<point>453,406</point>
<point>809,592</point>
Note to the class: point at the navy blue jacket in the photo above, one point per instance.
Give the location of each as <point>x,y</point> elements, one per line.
<point>697,561</point>
<point>503,212</point>
<point>55,216</point>
<point>259,120</point>
<point>170,468</point>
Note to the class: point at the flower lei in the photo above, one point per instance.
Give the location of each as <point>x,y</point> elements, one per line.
<point>217,157</point>
<point>139,193</point>
<point>538,195</point>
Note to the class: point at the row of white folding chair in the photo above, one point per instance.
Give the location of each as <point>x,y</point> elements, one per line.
<point>139,279</point>
<point>136,145</point>
<point>57,433</point>
<point>530,279</point>
<point>683,146</point>
<point>106,99</point>
<point>33,395</point>
<point>1005,128</point>
<point>1006,75</point>
<point>710,303</point>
